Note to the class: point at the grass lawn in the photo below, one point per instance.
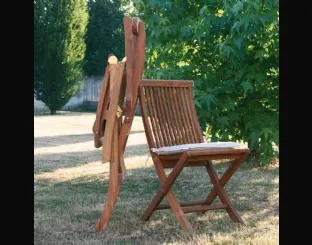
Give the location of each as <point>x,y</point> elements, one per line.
<point>70,185</point>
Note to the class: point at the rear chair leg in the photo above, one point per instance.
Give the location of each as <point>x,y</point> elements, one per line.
<point>114,183</point>
<point>113,191</point>
<point>222,194</point>
<point>226,176</point>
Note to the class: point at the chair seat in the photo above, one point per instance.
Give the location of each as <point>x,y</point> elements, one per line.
<point>213,146</point>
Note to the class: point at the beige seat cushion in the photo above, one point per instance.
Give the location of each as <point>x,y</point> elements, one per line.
<point>169,150</point>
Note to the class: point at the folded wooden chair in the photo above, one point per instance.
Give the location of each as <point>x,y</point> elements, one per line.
<point>175,141</point>
<point>113,120</point>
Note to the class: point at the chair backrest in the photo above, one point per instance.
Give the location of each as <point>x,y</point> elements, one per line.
<point>168,113</point>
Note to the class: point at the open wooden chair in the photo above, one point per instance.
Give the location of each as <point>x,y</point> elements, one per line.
<point>175,141</point>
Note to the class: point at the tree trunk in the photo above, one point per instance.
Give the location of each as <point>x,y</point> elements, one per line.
<point>253,152</point>
<point>53,112</point>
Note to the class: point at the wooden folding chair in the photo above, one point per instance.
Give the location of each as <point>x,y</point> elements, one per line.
<point>113,121</point>
<point>175,141</point>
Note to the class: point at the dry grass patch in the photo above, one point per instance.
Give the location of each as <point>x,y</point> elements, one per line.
<point>71,188</point>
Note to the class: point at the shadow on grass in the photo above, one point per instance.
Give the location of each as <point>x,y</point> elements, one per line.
<point>79,199</point>
<point>51,162</point>
<point>42,113</point>
<point>51,141</point>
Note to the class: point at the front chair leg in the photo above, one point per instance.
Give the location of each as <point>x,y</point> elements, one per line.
<point>166,191</point>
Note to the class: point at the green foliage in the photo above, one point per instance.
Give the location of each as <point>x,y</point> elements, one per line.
<point>230,49</point>
<point>104,35</point>
<point>59,48</point>
<point>128,9</point>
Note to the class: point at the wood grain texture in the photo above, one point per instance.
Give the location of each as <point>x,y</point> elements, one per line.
<point>98,127</point>
<point>172,120</point>
<point>116,75</point>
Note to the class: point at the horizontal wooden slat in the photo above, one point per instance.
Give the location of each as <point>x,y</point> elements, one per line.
<point>184,204</point>
<point>220,151</point>
<point>200,209</point>
<point>211,155</point>
<point>171,164</point>
<point>205,152</point>
<point>188,207</point>
<point>166,83</point>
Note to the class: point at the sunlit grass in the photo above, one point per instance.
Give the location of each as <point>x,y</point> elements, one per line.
<point>71,183</point>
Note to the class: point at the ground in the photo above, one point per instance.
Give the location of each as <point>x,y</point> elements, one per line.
<point>70,185</point>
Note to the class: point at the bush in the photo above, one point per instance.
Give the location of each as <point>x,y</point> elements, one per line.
<point>230,49</point>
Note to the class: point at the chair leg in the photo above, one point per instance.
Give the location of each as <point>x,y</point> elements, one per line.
<point>113,191</point>
<point>222,194</point>
<point>226,176</point>
<point>114,185</point>
<point>166,185</point>
<point>166,191</point>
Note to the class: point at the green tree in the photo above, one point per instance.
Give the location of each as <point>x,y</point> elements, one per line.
<point>128,9</point>
<point>59,49</point>
<point>104,35</point>
<point>230,49</point>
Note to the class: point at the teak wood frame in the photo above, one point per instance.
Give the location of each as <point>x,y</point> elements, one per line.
<point>172,120</point>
